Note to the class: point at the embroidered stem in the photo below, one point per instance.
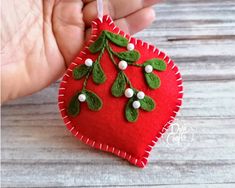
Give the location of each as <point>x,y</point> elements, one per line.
<point>135,65</point>
<point>90,70</point>
<point>86,79</point>
<point>111,53</point>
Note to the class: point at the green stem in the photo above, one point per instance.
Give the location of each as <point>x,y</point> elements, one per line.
<point>135,64</point>
<point>89,73</point>
<point>86,79</point>
<point>111,53</point>
<point>128,81</point>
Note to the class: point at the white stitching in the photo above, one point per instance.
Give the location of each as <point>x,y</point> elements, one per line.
<point>111,23</point>
<point>136,161</point>
<point>68,122</point>
<point>94,22</point>
<point>142,163</point>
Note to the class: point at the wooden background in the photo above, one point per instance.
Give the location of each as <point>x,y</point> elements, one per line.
<point>38,151</point>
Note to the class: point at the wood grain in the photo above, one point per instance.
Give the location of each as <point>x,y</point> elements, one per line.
<point>38,151</point>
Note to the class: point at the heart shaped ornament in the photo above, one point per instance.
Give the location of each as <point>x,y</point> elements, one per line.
<point>120,94</point>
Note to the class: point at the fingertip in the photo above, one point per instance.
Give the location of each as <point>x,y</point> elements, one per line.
<point>137,21</point>
<point>151,14</point>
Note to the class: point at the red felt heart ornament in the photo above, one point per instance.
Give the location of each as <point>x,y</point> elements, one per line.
<point>120,94</point>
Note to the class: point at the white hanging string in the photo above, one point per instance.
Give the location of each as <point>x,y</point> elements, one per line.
<point>100,9</point>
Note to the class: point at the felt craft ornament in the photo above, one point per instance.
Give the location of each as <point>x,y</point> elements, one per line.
<point>120,94</point>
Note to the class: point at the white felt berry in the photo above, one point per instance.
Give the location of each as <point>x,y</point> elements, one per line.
<point>130,47</point>
<point>129,92</point>
<point>140,95</point>
<point>122,65</point>
<point>136,104</point>
<point>148,68</point>
<point>88,62</point>
<point>82,97</point>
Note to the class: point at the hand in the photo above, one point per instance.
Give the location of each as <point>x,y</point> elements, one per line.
<point>40,38</point>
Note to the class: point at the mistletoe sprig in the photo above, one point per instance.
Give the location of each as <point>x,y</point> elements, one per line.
<point>122,85</point>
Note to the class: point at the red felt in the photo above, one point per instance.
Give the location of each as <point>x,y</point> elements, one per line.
<point>108,129</point>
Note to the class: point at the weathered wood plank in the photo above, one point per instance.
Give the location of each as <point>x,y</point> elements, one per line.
<point>164,172</point>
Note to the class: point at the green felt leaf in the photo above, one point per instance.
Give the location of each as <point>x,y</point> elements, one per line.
<point>119,85</point>
<point>130,112</point>
<point>147,104</point>
<point>98,73</point>
<point>74,106</point>
<point>152,80</point>
<point>130,56</point>
<point>80,71</point>
<point>94,102</point>
<point>116,39</point>
<point>156,64</point>
<point>98,44</point>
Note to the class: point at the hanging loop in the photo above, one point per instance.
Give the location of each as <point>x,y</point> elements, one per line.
<point>100,9</point>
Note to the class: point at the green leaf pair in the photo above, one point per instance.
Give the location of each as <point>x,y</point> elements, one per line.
<point>153,80</point>
<point>94,103</point>
<point>97,72</point>
<point>80,71</point>
<point>147,104</point>
<point>130,56</point>
<point>117,39</point>
<point>100,42</point>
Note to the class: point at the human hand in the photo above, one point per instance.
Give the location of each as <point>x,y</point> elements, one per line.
<point>40,38</point>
